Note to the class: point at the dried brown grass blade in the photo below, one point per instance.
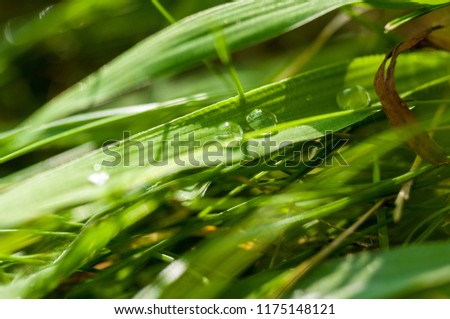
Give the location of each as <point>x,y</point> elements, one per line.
<point>398,113</point>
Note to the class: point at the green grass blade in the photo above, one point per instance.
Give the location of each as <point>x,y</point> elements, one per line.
<point>88,243</point>
<point>394,24</point>
<point>394,274</point>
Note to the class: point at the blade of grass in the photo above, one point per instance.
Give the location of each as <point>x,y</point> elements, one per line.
<point>394,24</point>
<point>393,274</point>
<point>383,234</point>
<point>88,243</point>
<point>288,279</point>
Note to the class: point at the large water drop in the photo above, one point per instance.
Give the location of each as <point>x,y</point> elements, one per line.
<point>353,98</point>
<point>259,119</point>
<point>230,131</point>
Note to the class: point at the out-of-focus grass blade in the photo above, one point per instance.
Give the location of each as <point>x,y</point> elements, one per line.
<point>87,243</point>
<point>393,274</point>
<point>405,4</point>
<point>394,24</point>
<point>49,22</point>
<point>76,124</point>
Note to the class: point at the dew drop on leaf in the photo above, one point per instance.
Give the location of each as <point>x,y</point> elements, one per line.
<point>353,98</point>
<point>259,119</point>
<point>230,131</point>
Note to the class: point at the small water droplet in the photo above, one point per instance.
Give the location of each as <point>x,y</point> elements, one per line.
<point>190,193</point>
<point>231,132</point>
<point>309,98</point>
<point>44,12</point>
<point>98,178</point>
<point>353,98</point>
<point>259,119</point>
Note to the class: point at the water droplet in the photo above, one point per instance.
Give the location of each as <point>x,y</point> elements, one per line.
<point>44,12</point>
<point>192,192</point>
<point>230,132</point>
<point>309,98</point>
<point>259,119</point>
<point>98,178</point>
<point>353,98</point>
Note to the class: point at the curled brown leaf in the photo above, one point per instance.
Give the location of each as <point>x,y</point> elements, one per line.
<point>398,113</point>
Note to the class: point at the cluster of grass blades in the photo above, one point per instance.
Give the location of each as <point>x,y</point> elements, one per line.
<point>94,203</point>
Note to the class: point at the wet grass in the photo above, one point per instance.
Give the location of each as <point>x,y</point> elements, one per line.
<point>276,188</point>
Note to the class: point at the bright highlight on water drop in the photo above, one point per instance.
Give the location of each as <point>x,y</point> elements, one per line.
<point>259,119</point>
<point>98,178</point>
<point>353,98</point>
